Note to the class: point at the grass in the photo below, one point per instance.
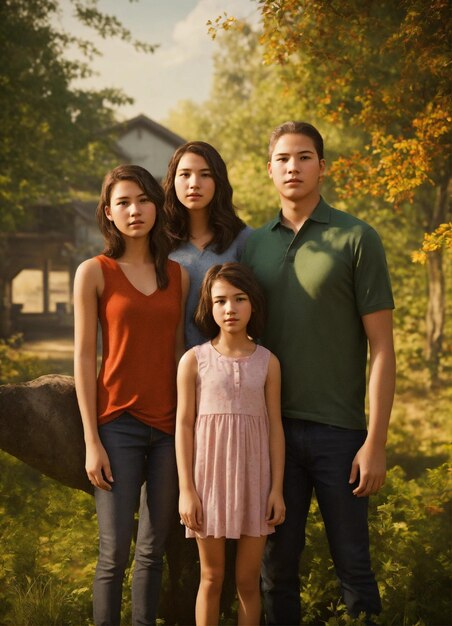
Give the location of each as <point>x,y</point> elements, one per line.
<point>408,526</point>
<point>41,603</point>
<point>420,432</point>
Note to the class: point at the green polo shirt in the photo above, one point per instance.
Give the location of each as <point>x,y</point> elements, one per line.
<point>318,283</point>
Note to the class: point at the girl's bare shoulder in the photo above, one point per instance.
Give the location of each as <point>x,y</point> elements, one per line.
<point>188,367</point>
<point>188,359</point>
<point>90,271</point>
<point>274,367</point>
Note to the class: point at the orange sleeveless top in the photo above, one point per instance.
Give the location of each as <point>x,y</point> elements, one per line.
<point>138,371</point>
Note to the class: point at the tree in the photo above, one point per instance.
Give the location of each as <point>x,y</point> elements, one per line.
<point>380,69</point>
<point>247,98</point>
<point>50,139</point>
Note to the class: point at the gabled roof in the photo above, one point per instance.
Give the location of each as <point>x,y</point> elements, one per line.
<point>143,121</point>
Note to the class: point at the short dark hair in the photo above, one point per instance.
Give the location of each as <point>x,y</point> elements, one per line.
<point>239,276</point>
<point>114,241</point>
<point>296,128</point>
<point>223,219</point>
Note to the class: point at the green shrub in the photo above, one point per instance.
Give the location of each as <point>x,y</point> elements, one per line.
<point>15,366</point>
<point>411,555</point>
<point>48,533</point>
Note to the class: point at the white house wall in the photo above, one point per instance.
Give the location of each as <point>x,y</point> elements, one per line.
<point>148,150</point>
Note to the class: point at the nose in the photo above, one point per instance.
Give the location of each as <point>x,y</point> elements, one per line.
<point>193,182</point>
<point>229,308</point>
<point>135,209</point>
<point>292,165</point>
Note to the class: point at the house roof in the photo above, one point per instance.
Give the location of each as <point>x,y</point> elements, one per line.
<point>153,127</point>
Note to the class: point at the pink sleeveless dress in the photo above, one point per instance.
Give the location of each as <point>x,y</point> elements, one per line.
<point>231,451</point>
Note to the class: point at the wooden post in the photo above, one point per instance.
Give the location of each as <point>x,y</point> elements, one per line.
<point>45,286</point>
<point>5,307</point>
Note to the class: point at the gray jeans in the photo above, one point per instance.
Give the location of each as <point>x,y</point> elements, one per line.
<point>137,453</point>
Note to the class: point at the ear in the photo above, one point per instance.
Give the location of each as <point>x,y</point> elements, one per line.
<point>108,214</point>
<point>322,164</point>
<point>269,169</point>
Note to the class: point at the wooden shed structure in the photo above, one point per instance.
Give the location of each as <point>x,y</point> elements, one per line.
<point>37,268</point>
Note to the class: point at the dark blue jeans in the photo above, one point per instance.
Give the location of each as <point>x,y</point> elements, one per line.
<point>137,453</point>
<point>319,457</point>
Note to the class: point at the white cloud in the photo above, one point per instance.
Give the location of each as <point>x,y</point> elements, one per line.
<point>180,69</point>
<point>190,39</point>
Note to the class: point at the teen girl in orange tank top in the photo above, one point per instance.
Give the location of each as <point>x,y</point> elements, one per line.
<point>128,410</point>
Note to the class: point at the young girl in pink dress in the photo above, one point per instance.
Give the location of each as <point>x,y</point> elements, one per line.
<point>229,440</point>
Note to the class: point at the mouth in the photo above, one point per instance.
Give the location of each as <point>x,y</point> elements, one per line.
<point>136,223</point>
<point>231,320</point>
<point>194,196</point>
<point>293,181</point>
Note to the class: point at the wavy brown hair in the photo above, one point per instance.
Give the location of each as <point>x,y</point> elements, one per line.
<point>239,276</point>
<point>223,219</point>
<point>158,239</point>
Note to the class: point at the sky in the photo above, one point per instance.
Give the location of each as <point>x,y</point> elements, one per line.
<point>180,69</point>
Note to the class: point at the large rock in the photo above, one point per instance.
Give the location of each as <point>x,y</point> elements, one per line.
<point>40,424</point>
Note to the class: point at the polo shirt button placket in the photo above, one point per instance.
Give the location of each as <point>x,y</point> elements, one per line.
<point>290,255</point>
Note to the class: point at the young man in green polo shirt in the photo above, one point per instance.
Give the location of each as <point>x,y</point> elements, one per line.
<point>329,297</point>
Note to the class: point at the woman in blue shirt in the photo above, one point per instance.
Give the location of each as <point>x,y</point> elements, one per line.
<point>202,223</point>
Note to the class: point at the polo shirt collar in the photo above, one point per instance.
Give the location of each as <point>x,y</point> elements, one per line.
<point>321,214</point>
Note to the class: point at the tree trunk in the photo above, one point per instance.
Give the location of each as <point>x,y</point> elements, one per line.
<point>5,308</point>
<point>436,305</point>
<point>435,314</point>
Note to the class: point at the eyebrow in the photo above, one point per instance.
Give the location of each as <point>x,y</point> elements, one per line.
<point>191,169</point>
<point>299,152</point>
<point>237,293</point>
<point>140,195</point>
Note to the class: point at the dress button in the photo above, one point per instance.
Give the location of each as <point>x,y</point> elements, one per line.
<point>236,374</point>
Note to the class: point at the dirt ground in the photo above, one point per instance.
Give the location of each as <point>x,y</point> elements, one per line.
<point>50,347</point>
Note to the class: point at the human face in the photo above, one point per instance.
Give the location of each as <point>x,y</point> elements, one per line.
<point>296,169</point>
<point>231,307</point>
<point>131,210</point>
<point>194,183</point>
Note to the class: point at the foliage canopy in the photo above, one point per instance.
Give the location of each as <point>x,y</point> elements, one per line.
<point>382,66</point>
<point>374,77</point>
<point>50,131</point>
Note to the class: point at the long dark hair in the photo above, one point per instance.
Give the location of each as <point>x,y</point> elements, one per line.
<point>224,222</point>
<point>239,276</point>
<point>114,241</point>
